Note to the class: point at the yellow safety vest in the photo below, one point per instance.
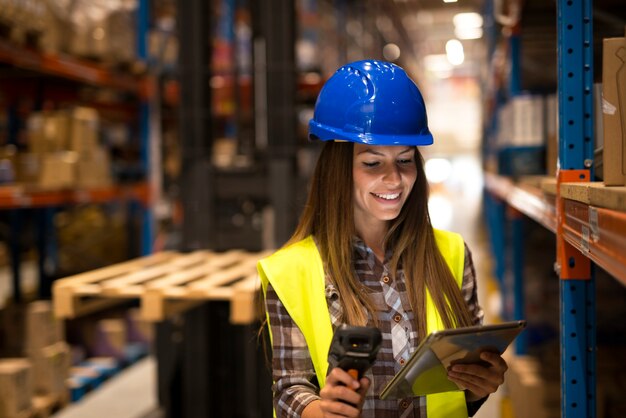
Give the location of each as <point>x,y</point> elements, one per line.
<point>297,276</point>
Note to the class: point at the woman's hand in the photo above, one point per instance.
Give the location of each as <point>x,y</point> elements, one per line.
<point>343,395</point>
<point>479,380</point>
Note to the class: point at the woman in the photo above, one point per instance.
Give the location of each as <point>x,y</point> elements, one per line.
<point>365,253</point>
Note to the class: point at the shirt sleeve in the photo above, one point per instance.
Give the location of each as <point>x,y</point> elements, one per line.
<point>469,288</point>
<point>292,368</point>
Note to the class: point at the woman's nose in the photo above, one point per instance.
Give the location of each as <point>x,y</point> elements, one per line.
<point>392,175</point>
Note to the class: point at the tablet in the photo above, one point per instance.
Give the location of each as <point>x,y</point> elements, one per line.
<point>426,370</point>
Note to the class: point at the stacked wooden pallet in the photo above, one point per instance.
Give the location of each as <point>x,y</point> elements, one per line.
<point>166,283</point>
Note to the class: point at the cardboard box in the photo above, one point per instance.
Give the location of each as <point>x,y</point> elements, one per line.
<point>47,171</point>
<point>526,388</point>
<point>614,111</point>
<point>93,169</point>
<point>113,331</point>
<point>58,170</point>
<point>598,132</point>
<point>42,328</point>
<point>522,161</point>
<point>51,367</point>
<point>15,387</point>
<point>48,131</point>
<point>83,137</point>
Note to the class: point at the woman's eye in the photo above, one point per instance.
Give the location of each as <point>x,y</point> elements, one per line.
<point>405,161</point>
<point>368,164</point>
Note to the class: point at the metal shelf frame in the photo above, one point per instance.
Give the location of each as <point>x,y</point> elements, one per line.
<point>577,284</point>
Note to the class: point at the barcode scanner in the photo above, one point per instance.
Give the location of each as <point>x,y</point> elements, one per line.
<point>354,349</point>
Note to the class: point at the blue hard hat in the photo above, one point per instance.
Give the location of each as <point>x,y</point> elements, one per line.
<point>371,102</point>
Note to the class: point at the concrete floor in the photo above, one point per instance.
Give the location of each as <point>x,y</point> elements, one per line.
<point>129,394</point>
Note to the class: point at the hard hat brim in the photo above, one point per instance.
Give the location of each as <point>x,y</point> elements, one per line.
<point>321,132</point>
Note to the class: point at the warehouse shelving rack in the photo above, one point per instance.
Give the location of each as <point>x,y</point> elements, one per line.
<point>597,232</point>
<point>586,234</point>
<point>139,195</point>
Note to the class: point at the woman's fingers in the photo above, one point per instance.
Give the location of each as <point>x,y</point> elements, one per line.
<point>479,379</point>
<point>340,376</point>
<point>343,396</point>
<point>333,408</point>
<point>479,387</point>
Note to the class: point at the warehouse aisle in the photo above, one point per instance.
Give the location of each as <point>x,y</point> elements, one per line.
<point>456,204</point>
<point>130,394</point>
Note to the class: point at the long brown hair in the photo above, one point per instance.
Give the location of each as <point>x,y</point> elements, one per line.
<point>328,216</point>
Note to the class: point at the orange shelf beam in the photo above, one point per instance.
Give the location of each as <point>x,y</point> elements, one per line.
<point>598,233</point>
<point>67,67</point>
<point>15,197</point>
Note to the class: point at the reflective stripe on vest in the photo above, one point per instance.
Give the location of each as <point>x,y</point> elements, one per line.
<point>297,276</point>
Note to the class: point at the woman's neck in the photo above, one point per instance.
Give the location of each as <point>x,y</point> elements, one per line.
<point>374,237</point>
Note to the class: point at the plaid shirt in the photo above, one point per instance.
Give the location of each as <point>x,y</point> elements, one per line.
<point>293,373</point>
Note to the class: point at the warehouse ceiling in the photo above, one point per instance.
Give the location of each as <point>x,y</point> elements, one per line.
<point>423,27</point>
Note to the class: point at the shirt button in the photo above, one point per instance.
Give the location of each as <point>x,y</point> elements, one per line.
<point>401,362</point>
<point>386,279</point>
<point>397,318</point>
<point>404,404</point>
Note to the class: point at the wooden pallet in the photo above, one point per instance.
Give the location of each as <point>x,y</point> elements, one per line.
<point>165,283</point>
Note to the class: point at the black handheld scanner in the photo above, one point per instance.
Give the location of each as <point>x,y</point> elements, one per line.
<point>354,349</point>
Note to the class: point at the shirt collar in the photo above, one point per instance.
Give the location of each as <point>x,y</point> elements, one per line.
<point>363,251</point>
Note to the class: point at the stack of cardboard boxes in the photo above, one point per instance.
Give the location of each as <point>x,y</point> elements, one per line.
<point>64,151</point>
<point>609,118</point>
<point>38,380</point>
<point>104,31</point>
<point>614,111</point>
<point>49,354</point>
<point>15,388</point>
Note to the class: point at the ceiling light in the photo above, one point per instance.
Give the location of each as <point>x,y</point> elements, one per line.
<point>438,65</point>
<point>449,1</point>
<point>468,33</point>
<point>440,211</point>
<point>467,20</point>
<point>437,170</point>
<point>436,62</point>
<point>454,52</point>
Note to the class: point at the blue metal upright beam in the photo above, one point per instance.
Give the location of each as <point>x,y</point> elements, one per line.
<point>147,216</point>
<point>575,84</point>
<point>495,210</point>
<point>519,312</point>
<point>577,296</point>
<point>515,51</point>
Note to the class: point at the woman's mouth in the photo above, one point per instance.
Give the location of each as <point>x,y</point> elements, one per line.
<point>387,196</point>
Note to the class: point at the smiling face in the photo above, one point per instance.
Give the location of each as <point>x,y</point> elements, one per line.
<point>383,177</point>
